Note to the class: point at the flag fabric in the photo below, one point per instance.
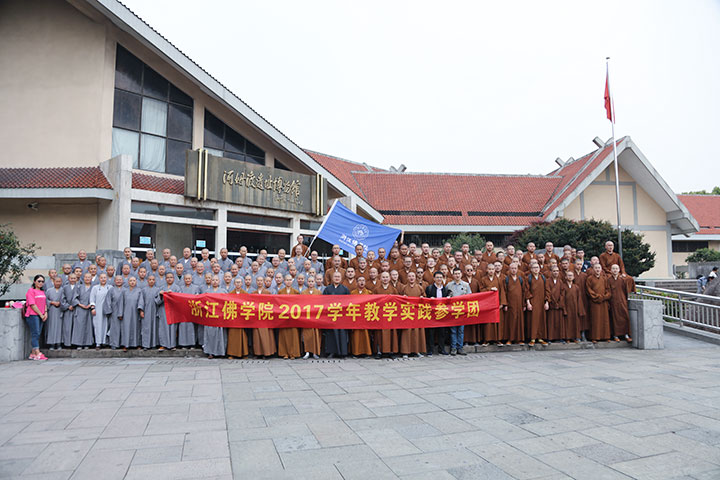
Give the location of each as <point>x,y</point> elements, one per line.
<point>347,229</point>
<point>608,100</point>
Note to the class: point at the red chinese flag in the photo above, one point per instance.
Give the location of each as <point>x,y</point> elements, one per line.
<point>608,100</point>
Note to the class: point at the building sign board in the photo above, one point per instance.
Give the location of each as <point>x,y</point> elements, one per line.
<point>208,177</point>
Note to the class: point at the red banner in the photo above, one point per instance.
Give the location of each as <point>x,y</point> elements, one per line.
<point>330,311</point>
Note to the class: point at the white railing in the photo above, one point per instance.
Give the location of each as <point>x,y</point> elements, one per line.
<point>691,309</point>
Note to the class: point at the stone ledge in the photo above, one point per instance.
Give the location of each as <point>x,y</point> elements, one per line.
<point>198,353</point>
<point>694,333</point>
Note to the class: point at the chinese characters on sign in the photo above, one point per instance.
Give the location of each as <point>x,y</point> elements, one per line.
<point>283,190</point>
<point>354,312</point>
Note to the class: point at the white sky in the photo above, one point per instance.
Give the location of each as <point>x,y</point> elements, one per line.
<point>478,87</point>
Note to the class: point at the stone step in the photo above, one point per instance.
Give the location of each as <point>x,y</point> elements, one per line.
<point>198,353</point>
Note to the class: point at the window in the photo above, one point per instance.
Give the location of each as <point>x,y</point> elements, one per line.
<point>256,241</point>
<point>688,246</point>
<point>172,210</point>
<point>223,141</point>
<point>258,220</point>
<point>152,118</point>
<point>142,237</point>
<point>203,237</point>
<point>310,225</point>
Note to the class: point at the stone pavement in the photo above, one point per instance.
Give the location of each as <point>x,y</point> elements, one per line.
<point>596,414</point>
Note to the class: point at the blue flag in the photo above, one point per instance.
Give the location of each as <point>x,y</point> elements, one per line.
<point>347,229</point>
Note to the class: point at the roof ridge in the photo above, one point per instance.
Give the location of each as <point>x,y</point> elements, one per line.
<point>506,175</point>
<point>364,164</point>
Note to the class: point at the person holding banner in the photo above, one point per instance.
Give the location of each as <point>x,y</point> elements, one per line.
<point>288,338</point>
<point>457,288</point>
<point>263,338</point>
<point>412,340</point>
<point>512,298</point>
<point>237,341</point>
<point>386,340</point>
<point>336,340</point>
<point>360,338</point>
<point>491,283</point>
<point>437,335</point>
<point>312,340</point>
<point>187,331</point>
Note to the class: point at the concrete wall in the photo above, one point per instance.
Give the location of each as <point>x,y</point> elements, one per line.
<point>57,226</point>
<point>638,211</point>
<point>52,78</point>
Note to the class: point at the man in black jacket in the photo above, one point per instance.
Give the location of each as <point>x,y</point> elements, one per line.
<point>436,335</point>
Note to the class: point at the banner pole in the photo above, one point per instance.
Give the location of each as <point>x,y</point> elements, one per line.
<point>321,226</point>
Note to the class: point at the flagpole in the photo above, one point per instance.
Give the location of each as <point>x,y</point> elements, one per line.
<point>614,142</point>
<point>321,226</point>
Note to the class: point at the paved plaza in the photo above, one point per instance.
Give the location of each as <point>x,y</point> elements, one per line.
<point>595,414</point>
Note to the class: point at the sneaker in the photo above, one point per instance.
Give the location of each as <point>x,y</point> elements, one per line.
<point>306,356</point>
<point>316,356</point>
<point>461,352</point>
<point>442,351</point>
<point>40,356</point>
<point>453,351</point>
<point>32,357</point>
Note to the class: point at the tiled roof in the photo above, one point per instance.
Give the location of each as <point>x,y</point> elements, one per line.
<point>342,169</point>
<point>706,210</point>
<point>71,177</point>
<point>486,197</point>
<point>141,181</point>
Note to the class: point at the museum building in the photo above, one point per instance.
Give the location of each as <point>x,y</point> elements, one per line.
<point>113,137</point>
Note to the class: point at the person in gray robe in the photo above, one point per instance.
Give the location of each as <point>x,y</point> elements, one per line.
<point>97,301</point>
<point>130,337</point>
<point>54,322</point>
<point>82,332</point>
<point>148,314</point>
<point>215,338</point>
<point>142,280</point>
<point>167,334</point>
<point>68,309</point>
<point>113,309</point>
<point>187,335</point>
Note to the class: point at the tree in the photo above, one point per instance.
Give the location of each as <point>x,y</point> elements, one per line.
<point>704,255</point>
<point>14,257</point>
<point>714,191</point>
<point>590,236</point>
<point>476,241</point>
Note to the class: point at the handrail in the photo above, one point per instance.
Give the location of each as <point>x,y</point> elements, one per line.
<point>692,309</point>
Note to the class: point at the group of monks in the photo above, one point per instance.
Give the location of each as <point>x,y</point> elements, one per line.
<point>543,297</point>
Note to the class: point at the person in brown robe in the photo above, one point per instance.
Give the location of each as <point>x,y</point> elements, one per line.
<point>237,340</point>
<point>330,262</point>
<point>288,338</point>
<point>528,257</point>
<point>512,298</point>
<point>386,340</point>
<point>311,337</point>
<point>303,248</point>
<point>550,253</point>
<point>598,290</point>
<point>555,294</point>
<point>412,340</point>
<point>609,257</point>
<point>263,338</point>
<point>490,331</point>
<point>336,267</point>
<point>580,278</point>
<point>360,337</point>
<point>574,308</point>
<point>619,313</point>
<point>350,279</point>
<point>536,304</point>
<point>359,253</point>
<point>488,255</point>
